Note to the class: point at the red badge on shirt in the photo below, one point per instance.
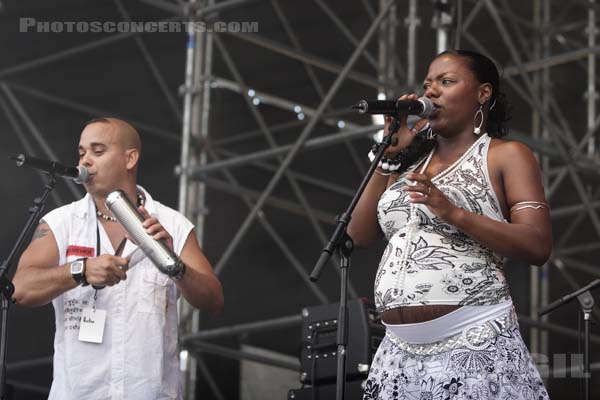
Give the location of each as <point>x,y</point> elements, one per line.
<point>80,251</point>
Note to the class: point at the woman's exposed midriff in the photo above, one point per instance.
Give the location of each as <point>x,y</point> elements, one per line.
<point>416,314</point>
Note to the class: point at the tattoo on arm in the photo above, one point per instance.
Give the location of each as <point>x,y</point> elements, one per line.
<point>41,231</point>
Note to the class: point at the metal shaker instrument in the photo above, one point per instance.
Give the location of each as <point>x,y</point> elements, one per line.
<point>129,217</point>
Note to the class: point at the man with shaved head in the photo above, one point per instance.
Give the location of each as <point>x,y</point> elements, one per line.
<point>116,313</point>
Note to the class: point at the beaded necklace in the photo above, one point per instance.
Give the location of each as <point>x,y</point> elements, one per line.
<point>413,223</point>
<point>113,219</point>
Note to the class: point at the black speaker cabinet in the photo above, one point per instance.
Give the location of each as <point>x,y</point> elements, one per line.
<point>319,348</point>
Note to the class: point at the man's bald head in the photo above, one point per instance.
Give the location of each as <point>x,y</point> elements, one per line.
<point>122,132</point>
<point>110,149</point>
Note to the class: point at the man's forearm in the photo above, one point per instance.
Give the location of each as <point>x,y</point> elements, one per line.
<point>201,290</point>
<point>37,286</point>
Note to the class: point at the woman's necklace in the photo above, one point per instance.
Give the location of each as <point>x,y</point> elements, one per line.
<point>110,218</point>
<point>413,223</point>
<point>455,163</point>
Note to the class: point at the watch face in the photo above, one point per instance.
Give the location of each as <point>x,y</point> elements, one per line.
<point>77,267</point>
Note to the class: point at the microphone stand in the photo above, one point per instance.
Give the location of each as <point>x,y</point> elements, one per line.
<point>342,243</point>
<point>7,286</point>
<point>586,301</point>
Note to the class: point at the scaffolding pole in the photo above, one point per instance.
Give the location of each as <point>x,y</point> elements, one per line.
<point>192,194</point>
<point>591,94</point>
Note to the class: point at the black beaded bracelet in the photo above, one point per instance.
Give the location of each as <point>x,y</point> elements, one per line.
<point>387,164</point>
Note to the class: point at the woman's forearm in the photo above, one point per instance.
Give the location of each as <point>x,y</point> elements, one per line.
<point>364,227</point>
<point>517,241</point>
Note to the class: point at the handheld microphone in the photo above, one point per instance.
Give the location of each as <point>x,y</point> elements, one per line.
<point>79,174</point>
<point>128,216</point>
<point>422,107</point>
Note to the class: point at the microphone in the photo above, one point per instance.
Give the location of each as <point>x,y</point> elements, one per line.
<point>422,107</point>
<point>129,217</point>
<point>79,174</point>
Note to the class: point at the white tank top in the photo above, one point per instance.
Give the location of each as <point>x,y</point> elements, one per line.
<point>442,265</point>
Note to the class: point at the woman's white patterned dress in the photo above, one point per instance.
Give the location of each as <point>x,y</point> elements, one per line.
<point>445,266</point>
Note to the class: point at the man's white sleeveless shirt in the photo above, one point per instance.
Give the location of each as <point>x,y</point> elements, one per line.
<point>137,358</point>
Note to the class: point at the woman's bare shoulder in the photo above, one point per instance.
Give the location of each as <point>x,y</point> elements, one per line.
<point>510,151</point>
<point>512,146</point>
<point>512,161</point>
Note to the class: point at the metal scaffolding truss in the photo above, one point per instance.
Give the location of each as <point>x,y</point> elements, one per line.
<point>541,46</point>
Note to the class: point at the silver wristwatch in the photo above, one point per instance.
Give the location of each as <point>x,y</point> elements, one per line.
<point>78,271</point>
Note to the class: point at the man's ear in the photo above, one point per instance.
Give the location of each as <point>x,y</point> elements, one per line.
<point>485,92</point>
<point>133,156</point>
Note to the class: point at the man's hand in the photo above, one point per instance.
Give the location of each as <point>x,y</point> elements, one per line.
<point>155,229</point>
<point>105,270</point>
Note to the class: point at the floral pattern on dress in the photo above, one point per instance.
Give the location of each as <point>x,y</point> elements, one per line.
<point>502,370</point>
<point>425,256</point>
<point>455,268</point>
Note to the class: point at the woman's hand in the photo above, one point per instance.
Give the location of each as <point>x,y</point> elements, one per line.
<point>404,136</point>
<point>424,192</point>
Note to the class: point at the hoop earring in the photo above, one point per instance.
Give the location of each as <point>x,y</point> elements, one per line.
<point>477,130</point>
